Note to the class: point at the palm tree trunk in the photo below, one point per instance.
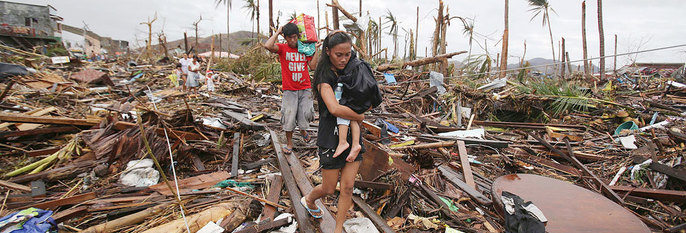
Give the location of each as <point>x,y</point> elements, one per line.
<point>583,35</point>
<point>334,15</point>
<point>550,31</point>
<point>503,60</point>
<point>602,39</point>
<point>257,9</point>
<point>416,37</point>
<point>271,18</point>
<point>228,32</point>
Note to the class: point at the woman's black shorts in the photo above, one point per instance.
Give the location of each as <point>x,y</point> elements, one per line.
<point>327,161</point>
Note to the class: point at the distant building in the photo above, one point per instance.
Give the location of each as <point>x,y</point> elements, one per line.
<point>26,25</point>
<point>91,43</point>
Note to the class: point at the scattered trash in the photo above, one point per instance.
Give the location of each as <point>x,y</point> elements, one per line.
<point>139,173</point>
<point>359,225</point>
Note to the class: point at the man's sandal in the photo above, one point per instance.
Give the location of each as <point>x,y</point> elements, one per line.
<point>287,150</point>
<point>311,211</point>
<point>306,137</point>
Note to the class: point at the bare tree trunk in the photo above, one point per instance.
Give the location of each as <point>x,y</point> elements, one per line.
<point>257,10</point>
<point>615,57</point>
<point>521,62</point>
<point>271,17</point>
<point>569,65</point>
<point>360,8</point>
<point>318,21</point>
<point>587,68</point>
<point>562,63</point>
<point>416,32</point>
<point>602,39</point>
<point>437,31</point>
<point>334,15</point>
<point>185,42</point>
<point>228,32</point>
<point>444,42</point>
<point>503,60</point>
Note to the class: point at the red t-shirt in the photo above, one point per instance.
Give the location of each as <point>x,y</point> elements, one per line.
<point>295,73</point>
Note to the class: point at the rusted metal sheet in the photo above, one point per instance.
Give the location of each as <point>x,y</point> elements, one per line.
<point>568,208</point>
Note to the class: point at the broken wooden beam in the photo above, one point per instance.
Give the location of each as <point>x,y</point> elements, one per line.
<point>243,120</point>
<point>418,62</point>
<point>111,226</point>
<point>526,125</point>
<point>667,170</point>
<point>15,186</point>
<point>657,194</point>
<point>273,195</point>
<point>47,120</point>
<point>236,150</point>
<point>378,221</point>
<point>301,215</point>
<point>67,214</point>
<point>466,167</point>
<point>328,222</point>
<point>452,177</point>
<point>265,226</point>
<point>65,201</point>
<point>70,170</point>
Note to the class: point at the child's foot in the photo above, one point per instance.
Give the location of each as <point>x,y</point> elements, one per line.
<point>354,151</point>
<point>341,147</point>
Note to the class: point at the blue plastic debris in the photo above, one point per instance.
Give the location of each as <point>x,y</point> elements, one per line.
<point>391,127</point>
<point>31,220</point>
<point>390,78</point>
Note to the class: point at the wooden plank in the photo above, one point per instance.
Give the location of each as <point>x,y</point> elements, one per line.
<point>14,186</point>
<point>46,151</point>
<point>301,215</point>
<point>35,112</point>
<point>274,195</point>
<point>197,162</point>
<point>452,177</point>
<point>466,167</point>
<point>657,166</point>
<point>196,182</point>
<point>658,194</point>
<point>236,150</point>
<point>66,201</point>
<point>47,120</point>
<point>265,226</point>
<point>378,221</point>
<point>67,214</point>
<point>328,221</point>
<point>243,120</point>
<point>375,130</point>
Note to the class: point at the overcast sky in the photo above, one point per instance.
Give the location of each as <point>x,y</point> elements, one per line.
<point>639,24</point>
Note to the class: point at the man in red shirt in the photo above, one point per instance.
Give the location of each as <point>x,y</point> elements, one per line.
<point>296,103</point>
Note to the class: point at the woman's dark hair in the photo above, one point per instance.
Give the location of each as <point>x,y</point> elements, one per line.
<point>290,29</point>
<point>324,64</point>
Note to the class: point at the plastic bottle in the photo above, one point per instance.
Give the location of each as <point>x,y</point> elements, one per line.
<point>338,92</point>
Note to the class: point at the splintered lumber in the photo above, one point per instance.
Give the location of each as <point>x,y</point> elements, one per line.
<point>273,195</point>
<point>199,220</point>
<point>111,226</point>
<point>66,201</point>
<point>526,125</point>
<point>70,170</point>
<point>419,62</point>
<point>328,221</point>
<point>452,142</point>
<point>570,157</point>
<point>378,221</point>
<point>667,170</point>
<point>466,168</point>
<point>301,215</point>
<point>14,186</point>
<point>659,194</point>
<point>452,177</point>
<point>236,150</point>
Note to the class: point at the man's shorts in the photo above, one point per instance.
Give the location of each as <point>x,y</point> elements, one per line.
<point>296,109</point>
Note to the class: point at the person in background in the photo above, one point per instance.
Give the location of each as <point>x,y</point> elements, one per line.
<point>296,104</point>
<point>184,61</point>
<point>193,76</point>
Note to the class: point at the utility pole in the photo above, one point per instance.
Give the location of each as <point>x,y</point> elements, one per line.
<point>196,34</point>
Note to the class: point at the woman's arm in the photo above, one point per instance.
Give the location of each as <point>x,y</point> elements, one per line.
<point>335,108</point>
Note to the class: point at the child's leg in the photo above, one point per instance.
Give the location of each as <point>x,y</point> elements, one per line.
<point>342,136</point>
<point>356,147</point>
